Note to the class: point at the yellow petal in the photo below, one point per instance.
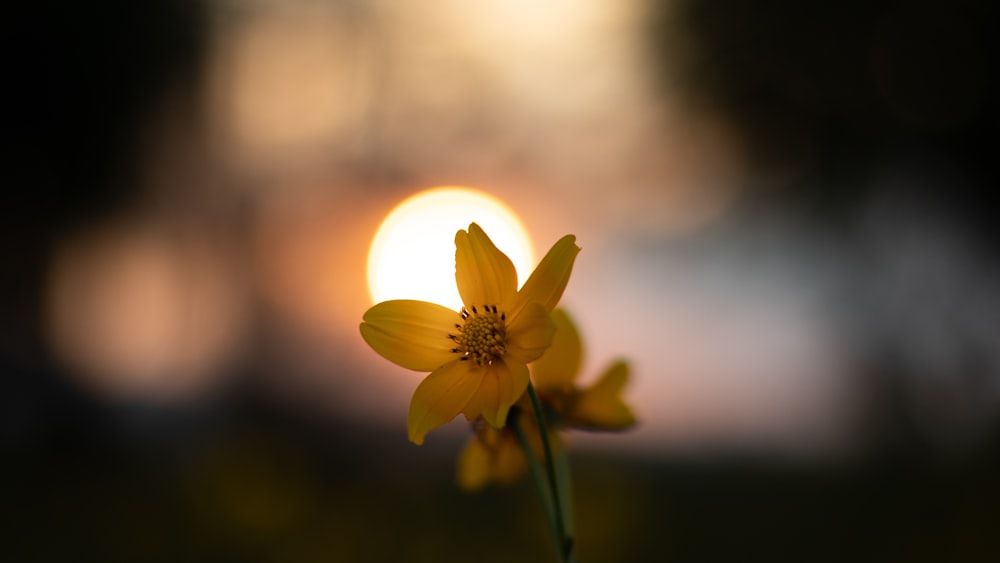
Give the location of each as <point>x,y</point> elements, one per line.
<point>600,407</point>
<point>509,463</point>
<point>485,276</point>
<point>491,456</point>
<point>530,334</point>
<point>547,282</point>
<point>557,369</point>
<point>474,466</point>
<point>440,397</point>
<point>501,387</point>
<point>412,334</point>
<point>485,398</point>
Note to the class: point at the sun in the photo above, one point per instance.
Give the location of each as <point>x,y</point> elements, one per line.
<point>413,253</point>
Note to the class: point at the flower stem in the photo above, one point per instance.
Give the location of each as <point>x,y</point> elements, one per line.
<point>537,473</point>
<point>563,540</point>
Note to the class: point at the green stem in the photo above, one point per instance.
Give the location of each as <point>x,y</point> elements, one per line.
<point>536,471</point>
<point>563,540</point>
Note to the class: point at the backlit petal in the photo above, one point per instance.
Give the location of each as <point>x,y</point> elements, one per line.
<point>511,381</point>
<point>412,334</point>
<point>474,466</point>
<point>558,367</point>
<point>491,456</point>
<point>509,463</point>
<point>600,407</point>
<point>486,397</point>
<point>484,274</point>
<point>440,397</point>
<point>530,334</point>
<point>547,282</point>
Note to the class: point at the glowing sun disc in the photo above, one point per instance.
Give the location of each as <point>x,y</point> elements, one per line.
<point>413,253</point>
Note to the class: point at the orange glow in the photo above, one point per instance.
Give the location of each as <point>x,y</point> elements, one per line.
<point>136,313</point>
<point>287,83</point>
<point>413,253</point>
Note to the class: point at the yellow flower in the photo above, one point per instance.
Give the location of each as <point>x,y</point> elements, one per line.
<point>492,456</point>
<point>477,357</point>
<point>496,456</point>
<point>597,407</point>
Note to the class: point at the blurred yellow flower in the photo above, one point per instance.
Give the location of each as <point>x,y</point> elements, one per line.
<point>477,357</point>
<point>596,407</point>
<point>494,456</point>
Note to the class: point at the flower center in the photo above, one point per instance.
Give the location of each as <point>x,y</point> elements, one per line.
<point>483,335</point>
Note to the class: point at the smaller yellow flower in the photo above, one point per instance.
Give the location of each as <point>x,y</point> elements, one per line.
<point>496,456</point>
<point>492,456</point>
<point>596,407</point>
<point>477,357</point>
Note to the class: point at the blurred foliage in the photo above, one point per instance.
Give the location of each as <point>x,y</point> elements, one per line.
<point>82,81</point>
<point>257,485</point>
<point>822,93</point>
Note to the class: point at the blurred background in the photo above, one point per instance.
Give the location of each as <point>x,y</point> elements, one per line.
<point>787,218</point>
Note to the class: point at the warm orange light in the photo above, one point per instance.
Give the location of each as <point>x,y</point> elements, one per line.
<point>136,313</point>
<point>413,253</point>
